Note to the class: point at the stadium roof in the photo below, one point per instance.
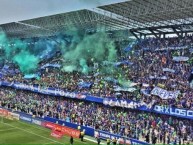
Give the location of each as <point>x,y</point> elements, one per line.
<point>19,10</point>
<point>55,24</point>
<point>155,17</point>
<point>141,17</point>
<point>148,13</point>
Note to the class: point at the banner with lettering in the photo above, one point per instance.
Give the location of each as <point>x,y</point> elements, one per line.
<point>164,94</point>
<point>113,102</point>
<point>120,139</point>
<point>64,130</point>
<point>183,113</point>
<point>43,90</point>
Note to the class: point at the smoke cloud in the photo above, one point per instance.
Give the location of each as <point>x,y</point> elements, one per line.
<point>86,49</point>
<point>24,54</point>
<point>80,51</point>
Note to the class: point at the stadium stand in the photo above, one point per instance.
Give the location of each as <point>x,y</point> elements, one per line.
<point>152,67</point>
<point>146,93</point>
<point>134,124</point>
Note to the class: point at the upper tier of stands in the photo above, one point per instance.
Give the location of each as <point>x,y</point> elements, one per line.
<point>163,63</point>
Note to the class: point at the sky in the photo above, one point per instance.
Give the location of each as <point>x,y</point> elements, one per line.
<point>18,10</point>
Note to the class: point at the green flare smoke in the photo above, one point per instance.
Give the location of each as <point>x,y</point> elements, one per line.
<point>86,49</point>
<point>19,54</point>
<point>80,53</point>
<point>27,63</point>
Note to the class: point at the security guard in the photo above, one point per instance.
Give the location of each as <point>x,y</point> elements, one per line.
<point>98,140</point>
<point>114,141</point>
<point>82,135</point>
<point>71,140</point>
<point>108,141</point>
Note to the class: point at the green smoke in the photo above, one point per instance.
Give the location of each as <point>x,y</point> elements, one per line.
<point>84,50</point>
<point>18,52</point>
<point>69,68</point>
<point>84,66</point>
<point>27,62</point>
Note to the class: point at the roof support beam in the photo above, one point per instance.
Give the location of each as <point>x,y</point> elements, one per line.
<point>152,31</point>
<point>175,31</point>
<point>134,35</point>
<point>162,27</point>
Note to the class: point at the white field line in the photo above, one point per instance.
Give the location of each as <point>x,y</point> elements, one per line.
<point>45,129</point>
<point>34,134</point>
<point>48,143</point>
<point>7,129</point>
<point>36,126</point>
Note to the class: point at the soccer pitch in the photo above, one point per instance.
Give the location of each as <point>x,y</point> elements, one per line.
<point>18,132</point>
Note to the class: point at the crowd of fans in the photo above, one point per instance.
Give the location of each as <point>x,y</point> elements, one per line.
<point>151,64</point>
<point>148,59</point>
<point>129,123</point>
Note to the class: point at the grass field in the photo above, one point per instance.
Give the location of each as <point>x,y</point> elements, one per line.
<point>18,132</point>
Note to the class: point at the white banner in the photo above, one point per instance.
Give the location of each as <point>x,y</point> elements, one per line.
<point>172,48</point>
<point>164,94</point>
<point>180,58</point>
<point>14,115</point>
<point>168,70</point>
<point>117,89</point>
<point>158,78</point>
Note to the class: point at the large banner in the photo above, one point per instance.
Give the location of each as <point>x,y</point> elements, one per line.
<point>3,112</point>
<point>183,113</point>
<point>43,90</point>
<point>88,130</point>
<point>112,101</point>
<point>13,115</point>
<point>37,121</point>
<point>63,129</point>
<point>164,94</point>
<point>122,140</point>
<point>26,118</point>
